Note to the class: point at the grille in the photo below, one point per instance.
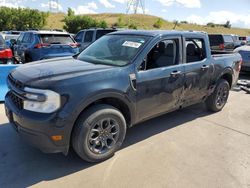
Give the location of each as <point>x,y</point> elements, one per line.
<point>16,100</point>
<point>15,83</point>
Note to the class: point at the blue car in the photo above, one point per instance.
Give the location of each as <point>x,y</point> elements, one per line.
<point>244,51</point>
<point>37,45</point>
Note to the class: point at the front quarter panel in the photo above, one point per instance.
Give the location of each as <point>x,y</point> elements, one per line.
<point>81,91</point>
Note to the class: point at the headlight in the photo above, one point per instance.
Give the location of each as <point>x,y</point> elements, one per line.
<point>43,101</point>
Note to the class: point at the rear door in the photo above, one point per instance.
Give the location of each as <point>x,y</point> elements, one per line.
<point>160,79</point>
<point>198,69</point>
<point>24,45</point>
<point>88,39</point>
<point>56,45</point>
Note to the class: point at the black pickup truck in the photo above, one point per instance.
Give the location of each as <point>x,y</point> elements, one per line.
<point>88,101</point>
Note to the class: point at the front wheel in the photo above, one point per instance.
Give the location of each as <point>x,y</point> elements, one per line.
<point>99,133</point>
<point>217,100</point>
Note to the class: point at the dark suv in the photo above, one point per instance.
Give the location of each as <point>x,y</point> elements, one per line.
<point>38,45</point>
<point>85,37</point>
<point>221,42</point>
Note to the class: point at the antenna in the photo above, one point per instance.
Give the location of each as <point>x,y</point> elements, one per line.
<point>53,5</point>
<point>135,5</point>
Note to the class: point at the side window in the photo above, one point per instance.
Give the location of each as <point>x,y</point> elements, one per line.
<point>195,50</point>
<point>27,38</point>
<point>163,54</point>
<point>79,36</point>
<point>228,38</point>
<point>20,38</point>
<point>88,36</point>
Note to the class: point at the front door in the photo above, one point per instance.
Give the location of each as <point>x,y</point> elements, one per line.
<point>159,82</point>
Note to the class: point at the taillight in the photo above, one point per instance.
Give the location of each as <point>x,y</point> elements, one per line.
<point>41,45</point>
<point>222,46</point>
<point>7,53</point>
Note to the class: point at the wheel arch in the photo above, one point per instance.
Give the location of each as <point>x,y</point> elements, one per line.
<point>227,75</point>
<point>115,99</point>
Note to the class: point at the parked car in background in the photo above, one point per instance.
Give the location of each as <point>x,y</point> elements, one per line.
<point>87,36</point>
<point>237,42</point>
<point>122,79</point>
<point>220,42</point>
<point>244,51</point>
<point>10,40</point>
<point>6,55</point>
<point>38,45</point>
<point>243,40</point>
<point>12,32</point>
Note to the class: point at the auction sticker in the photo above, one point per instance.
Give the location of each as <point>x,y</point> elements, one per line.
<point>131,44</point>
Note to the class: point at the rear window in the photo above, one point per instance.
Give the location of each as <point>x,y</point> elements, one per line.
<point>100,33</point>
<point>56,39</point>
<point>242,38</point>
<point>8,37</point>
<point>215,40</point>
<point>228,38</point>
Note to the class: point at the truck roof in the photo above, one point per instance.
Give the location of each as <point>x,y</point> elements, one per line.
<point>154,33</point>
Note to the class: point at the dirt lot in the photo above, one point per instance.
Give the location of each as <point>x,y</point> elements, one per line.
<point>188,148</point>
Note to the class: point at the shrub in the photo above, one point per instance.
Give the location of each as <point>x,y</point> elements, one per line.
<point>75,23</point>
<point>158,24</point>
<point>21,18</point>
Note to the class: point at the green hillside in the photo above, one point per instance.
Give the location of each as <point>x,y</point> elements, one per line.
<point>144,22</point>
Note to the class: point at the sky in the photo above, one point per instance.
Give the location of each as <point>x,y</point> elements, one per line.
<point>193,11</point>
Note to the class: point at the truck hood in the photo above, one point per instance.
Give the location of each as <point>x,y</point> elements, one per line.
<point>54,68</point>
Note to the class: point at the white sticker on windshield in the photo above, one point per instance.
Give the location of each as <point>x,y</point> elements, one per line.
<point>131,44</point>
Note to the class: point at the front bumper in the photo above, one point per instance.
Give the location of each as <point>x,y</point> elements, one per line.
<point>36,129</point>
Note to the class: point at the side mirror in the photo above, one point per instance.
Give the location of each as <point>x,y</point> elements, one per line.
<point>143,65</point>
<point>13,41</point>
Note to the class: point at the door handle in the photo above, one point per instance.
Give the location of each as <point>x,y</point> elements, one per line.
<point>175,73</point>
<point>132,78</point>
<point>204,67</point>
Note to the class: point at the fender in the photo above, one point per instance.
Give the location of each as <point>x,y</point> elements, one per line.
<point>227,70</point>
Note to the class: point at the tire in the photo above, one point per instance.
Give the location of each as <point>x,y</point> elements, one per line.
<point>217,100</point>
<point>98,133</point>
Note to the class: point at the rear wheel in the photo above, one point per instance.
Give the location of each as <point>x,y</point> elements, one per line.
<point>218,99</point>
<point>99,133</point>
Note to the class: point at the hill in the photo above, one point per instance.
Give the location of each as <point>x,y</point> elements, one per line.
<point>54,21</point>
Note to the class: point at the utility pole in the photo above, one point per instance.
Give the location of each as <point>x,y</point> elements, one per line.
<point>53,5</point>
<point>135,5</point>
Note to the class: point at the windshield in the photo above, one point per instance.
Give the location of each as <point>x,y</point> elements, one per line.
<point>116,50</point>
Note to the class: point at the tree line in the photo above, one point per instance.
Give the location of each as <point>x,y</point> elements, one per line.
<point>21,18</point>
<point>25,18</point>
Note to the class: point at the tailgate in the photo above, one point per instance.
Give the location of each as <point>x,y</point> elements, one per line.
<point>57,44</point>
<point>58,49</point>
